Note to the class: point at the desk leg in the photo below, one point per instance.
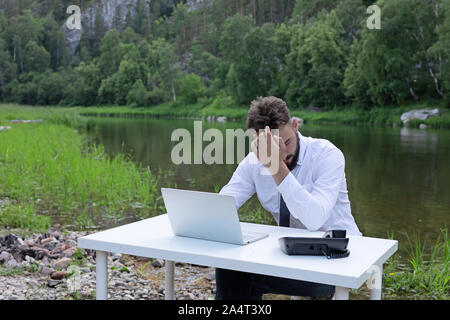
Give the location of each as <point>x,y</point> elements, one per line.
<point>341,293</point>
<point>101,270</point>
<point>170,272</point>
<point>375,282</point>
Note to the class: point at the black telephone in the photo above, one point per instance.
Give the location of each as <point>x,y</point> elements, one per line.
<point>333,245</point>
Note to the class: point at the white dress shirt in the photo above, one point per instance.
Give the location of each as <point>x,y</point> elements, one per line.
<point>315,191</point>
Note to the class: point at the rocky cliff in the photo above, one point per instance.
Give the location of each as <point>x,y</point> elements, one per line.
<point>109,10</point>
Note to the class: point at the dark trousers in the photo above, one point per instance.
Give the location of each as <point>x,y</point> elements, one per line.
<point>236,285</point>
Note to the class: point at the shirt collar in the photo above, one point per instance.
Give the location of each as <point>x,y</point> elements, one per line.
<point>303,144</point>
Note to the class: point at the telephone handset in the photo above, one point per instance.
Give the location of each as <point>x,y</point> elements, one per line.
<point>333,245</point>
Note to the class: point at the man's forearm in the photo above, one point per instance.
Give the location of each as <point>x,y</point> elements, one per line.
<point>282,172</point>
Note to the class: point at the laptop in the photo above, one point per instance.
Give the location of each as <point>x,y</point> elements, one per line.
<point>207,216</point>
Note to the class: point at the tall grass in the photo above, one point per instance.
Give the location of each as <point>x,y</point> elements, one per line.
<point>425,276</point>
<point>48,165</point>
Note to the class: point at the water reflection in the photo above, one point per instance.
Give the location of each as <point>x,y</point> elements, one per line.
<point>416,140</point>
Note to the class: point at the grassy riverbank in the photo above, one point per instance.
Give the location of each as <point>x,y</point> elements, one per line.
<point>48,170</point>
<point>424,276</point>
<point>389,116</point>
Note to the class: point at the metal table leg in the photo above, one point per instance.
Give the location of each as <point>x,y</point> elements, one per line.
<point>374,283</point>
<point>170,272</point>
<point>341,293</point>
<point>101,270</point>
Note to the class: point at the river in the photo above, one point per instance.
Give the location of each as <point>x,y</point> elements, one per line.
<point>398,178</point>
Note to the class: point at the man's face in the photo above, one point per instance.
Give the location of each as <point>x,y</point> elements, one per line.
<point>289,134</point>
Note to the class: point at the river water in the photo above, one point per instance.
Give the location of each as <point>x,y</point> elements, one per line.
<point>398,178</point>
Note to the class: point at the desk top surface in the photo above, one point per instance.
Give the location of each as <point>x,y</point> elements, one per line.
<point>154,238</point>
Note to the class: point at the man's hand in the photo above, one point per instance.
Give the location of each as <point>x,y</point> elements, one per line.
<point>270,150</point>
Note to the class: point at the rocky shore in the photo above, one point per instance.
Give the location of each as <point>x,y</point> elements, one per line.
<point>50,266</point>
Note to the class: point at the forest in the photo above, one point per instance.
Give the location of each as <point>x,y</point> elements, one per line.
<point>314,54</point>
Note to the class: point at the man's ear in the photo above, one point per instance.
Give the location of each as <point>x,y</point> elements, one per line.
<point>295,124</point>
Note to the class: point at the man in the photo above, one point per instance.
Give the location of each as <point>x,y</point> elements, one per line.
<point>300,180</point>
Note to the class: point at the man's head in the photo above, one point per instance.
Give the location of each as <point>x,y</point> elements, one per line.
<point>273,112</point>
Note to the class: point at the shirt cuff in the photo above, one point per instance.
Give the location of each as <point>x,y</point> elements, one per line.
<point>288,185</point>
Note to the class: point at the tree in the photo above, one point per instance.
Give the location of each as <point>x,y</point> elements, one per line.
<point>255,69</point>
<point>54,42</point>
<point>36,58</point>
<point>316,64</point>
<point>395,61</point>
<point>232,37</point>
<point>307,9</point>
<point>138,95</point>
<point>440,51</point>
<point>8,69</point>
<point>115,89</point>
<point>191,88</point>
<point>110,55</point>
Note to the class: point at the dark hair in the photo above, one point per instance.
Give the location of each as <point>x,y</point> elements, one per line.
<point>267,111</point>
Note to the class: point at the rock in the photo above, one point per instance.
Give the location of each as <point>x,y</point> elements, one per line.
<point>5,256</point>
<point>55,234</point>
<point>47,240</point>
<point>29,242</point>
<point>116,256</point>
<point>51,283</point>
<point>58,275</point>
<point>12,263</point>
<point>119,284</point>
<point>211,276</point>
<point>222,119</point>
<point>62,263</point>
<point>69,252</point>
<point>300,121</point>
<point>191,296</point>
<point>10,240</point>
<point>29,259</point>
<point>157,263</point>
<point>52,245</point>
<point>70,243</point>
<point>423,126</point>
<point>45,270</point>
<point>421,114</point>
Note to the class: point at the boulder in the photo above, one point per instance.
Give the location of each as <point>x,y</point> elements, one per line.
<point>222,119</point>
<point>299,120</point>
<point>421,114</point>
<point>62,263</point>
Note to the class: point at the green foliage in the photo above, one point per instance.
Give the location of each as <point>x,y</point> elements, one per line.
<point>310,53</point>
<point>138,95</point>
<point>316,64</point>
<point>24,216</point>
<point>426,274</point>
<point>191,88</point>
<point>48,161</point>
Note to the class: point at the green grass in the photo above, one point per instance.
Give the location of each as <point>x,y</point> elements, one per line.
<point>51,162</point>
<point>24,216</point>
<point>424,276</point>
<point>62,116</point>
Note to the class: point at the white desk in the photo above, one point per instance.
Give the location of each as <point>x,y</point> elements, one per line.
<point>153,238</point>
